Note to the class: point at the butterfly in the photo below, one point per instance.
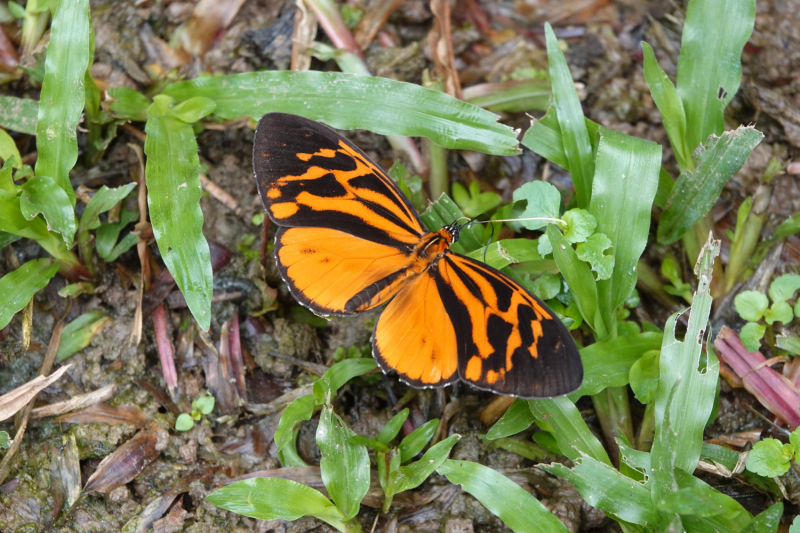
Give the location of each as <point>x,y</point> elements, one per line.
<point>349,241</point>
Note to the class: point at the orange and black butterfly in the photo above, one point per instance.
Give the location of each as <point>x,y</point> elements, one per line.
<point>350,241</point>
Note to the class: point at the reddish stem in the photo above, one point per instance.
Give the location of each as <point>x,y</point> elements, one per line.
<point>165,352</point>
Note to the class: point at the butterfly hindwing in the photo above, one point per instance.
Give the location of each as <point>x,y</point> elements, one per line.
<point>415,337</point>
<point>509,342</point>
<point>310,176</point>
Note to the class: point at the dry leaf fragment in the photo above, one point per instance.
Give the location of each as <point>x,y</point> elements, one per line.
<point>76,402</point>
<point>107,414</point>
<point>15,400</point>
<point>124,463</point>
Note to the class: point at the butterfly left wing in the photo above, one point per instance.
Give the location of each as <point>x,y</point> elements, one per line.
<point>509,341</point>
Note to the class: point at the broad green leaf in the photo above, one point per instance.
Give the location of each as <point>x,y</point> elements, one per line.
<point>78,334</point>
<point>546,286</point>
<point>344,466</point>
<point>644,376</point>
<point>505,499</point>
<point>500,254</point>
<point>412,475</point>
<point>592,252</point>
<point>63,95</point>
<point>9,150</point>
<point>41,194</point>
<point>18,287</point>
<point>669,104</point>
<point>790,343</point>
<point>12,221</point>
<point>184,422</point>
<point>417,440</point>
<point>699,501</point>
<point>298,411</point>
<point>269,498</point>
<point>106,237</point>
<point>784,287</point>
<point>544,138</point>
<point>543,201</point>
<point>751,335</point>
<point>696,191</point>
<point>685,395</point>
<point>204,404</point>
<point>580,224</point>
<point>194,109</point>
<point>770,458</point>
<point>6,180</point>
<point>768,521</point>
<point>623,189</point>
<point>610,491</point>
<point>608,363</point>
<point>709,66</point>
<point>19,114</point>
<point>351,101</point>
<point>795,528</point>
<point>779,312</point>
<point>173,195</point>
<point>128,103</point>
<point>544,247</point>
<point>516,419</point>
<point>103,200</point>
<point>340,373</point>
<point>751,305</point>
<point>580,280</point>
<point>574,134</point>
<point>392,427</point>
<point>574,438</point>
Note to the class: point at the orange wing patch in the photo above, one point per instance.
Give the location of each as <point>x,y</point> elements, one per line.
<point>415,337</point>
<point>326,269</point>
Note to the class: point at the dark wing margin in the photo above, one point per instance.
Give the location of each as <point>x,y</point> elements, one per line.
<point>308,175</point>
<point>509,341</point>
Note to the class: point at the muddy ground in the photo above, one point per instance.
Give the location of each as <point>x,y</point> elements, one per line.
<point>492,40</point>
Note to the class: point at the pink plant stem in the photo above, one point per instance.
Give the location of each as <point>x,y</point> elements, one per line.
<point>331,21</point>
<point>164,345</point>
<point>774,391</point>
<point>237,361</point>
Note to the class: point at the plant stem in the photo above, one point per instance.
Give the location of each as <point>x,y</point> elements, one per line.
<point>438,180</point>
<point>644,441</point>
<point>742,249</point>
<point>614,413</point>
<point>649,282</point>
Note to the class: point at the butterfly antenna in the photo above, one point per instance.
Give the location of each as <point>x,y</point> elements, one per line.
<point>491,236</point>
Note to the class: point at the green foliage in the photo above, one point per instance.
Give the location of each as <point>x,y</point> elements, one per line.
<point>5,440</point>
<point>78,334</point>
<point>592,251</point>
<point>473,202</point>
<point>770,458</point>
<point>543,201</point>
<point>201,406</point>
<point>644,376</point>
<point>18,287</point>
<point>669,268</point>
<point>754,306</point>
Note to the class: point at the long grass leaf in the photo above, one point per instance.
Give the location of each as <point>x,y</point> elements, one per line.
<point>575,439</point>
<point>19,114</point>
<point>571,121</point>
<point>173,194</point>
<point>710,65</point>
<point>625,183</point>
<point>63,95</point>
<point>19,286</point>
<point>350,101</point>
<point>520,511</point>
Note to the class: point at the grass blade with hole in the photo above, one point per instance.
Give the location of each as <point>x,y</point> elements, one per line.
<point>625,183</point>
<point>710,65</point>
<point>63,94</point>
<point>350,101</point>
<point>696,191</point>
<point>571,122</point>
<point>19,114</point>
<point>505,499</point>
<point>269,498</point>
<point>173,195</point>
<point>18,287</point>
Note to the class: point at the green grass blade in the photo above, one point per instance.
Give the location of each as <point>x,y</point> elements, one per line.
<point>411,445</point>
<point>518,418</point>
<point>173,194</point>
<point>340,373</point>
<point>19,114</point>
<point>608,363</point>
<point>505,499</point>
<point>766,522</point>
<point>580,280</point>
<point>63,95</point>
<point>392,427</point>
<point>41,194</point>
<point>710,66</point>
<point>298,411</point>
<point>78,334</point>
<point>412,475</point>
<point>574,438</point>
<point>669,104</point>
<point>625,183</point>
<point>268,498</point>
<point>344,466</point>
<point>571,121</point>
<point>18,287</point>
<point>608,490</point>
<point>696,191</point>
<point>685,395</point>
<point>544,138</point>
<point>350,101</point>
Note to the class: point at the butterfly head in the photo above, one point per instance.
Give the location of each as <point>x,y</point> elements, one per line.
<point>455,228</point>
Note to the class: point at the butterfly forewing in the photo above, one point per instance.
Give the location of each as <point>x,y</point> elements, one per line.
<point>509,341</point>
<point>310,176</point>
